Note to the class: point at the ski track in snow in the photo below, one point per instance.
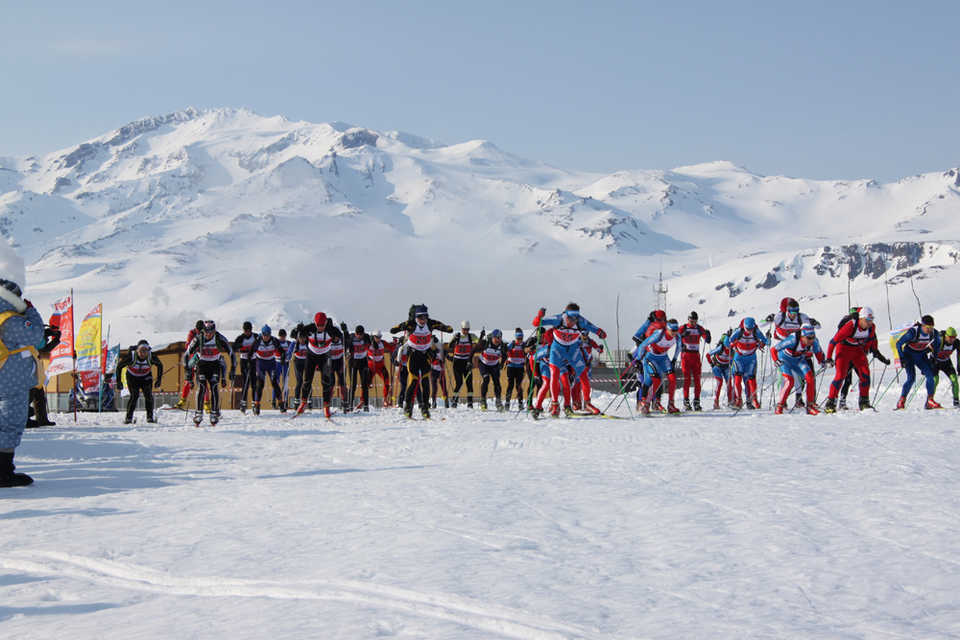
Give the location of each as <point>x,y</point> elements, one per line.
<point>511,624</point>
<point>488,525</point>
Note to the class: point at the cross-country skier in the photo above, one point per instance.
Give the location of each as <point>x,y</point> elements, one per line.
<point>720,359</point>
<point>744,341</point>
<point>241,346</point>
<point>790,356</point>
<point>283,367</point>
<point>438,377</point>
<point>914,348</point>
<point>460,350</point>
<point>690,336</point>
<point>377,365</point>
<point>263,354</point>
<point>490,354</point>
<point>138,360</point>
<point>320,335</point>
<point>540,363</point>
<point>338,365</point>
<point>189,367</point>
<point>852,342</point>
<point>516,364</point>
<point>948,347</point>
<point>419,332</point>
<point>359,347</point>
<point>787,321</point>
<point>297,353</point>
<point>210,346</point>
<point>565,352</point>
<point>659,365</point>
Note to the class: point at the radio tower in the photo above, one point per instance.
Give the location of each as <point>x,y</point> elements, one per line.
<point>661,290</point>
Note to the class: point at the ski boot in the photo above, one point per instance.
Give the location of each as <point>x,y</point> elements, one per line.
<point>779,409</point>
<point>433,404</point>
<point>181,404</point>
<point>243,407</point>
<point>812,409</point>
<point>446,402</point>
<point>932,404</point>
<point>455,401</point>
<point>591,409</point>
<point>425,412</point>
<point>506,406</point>
<point>644,407</point>
<point>737,403</point>
<point>696,405</point>
<point>554,410</point>
<point>519,405</point>
<point>901,403</point>
<point>499,405</point>
<point>798,402</point>
<point>214,418</point>
<point>408,412</point>
<point>755,402</point>
<point>197,418</point>
<point>8,476</point>
<point>206,406</point>
<point>568,411</point>
<point>956,402</point>
<point>128,421</point>
<point>483,404</point>
<point>865,404</point>
<point>831,406</point>
<point>366,408</point>
<point>256,408</point>
<point>151,420</point>
<point>535,413</point>
<point>301,407</point>
<point>326,411</point>
<point>686,405</point>
<point>469,402</point>
<point>716,405</point>
<point>672,408</point>
<point>842,405</point>
<point>658,407</point>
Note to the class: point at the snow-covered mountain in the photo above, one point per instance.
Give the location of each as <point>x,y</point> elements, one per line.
<point>227,214</point>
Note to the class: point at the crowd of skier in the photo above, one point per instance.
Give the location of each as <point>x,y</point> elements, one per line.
<point>556,357</point>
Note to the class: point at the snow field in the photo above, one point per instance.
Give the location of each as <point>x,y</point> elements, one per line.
<point>487,525</point>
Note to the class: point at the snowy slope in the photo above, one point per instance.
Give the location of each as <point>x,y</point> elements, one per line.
<point>487,526</point>
<point>227,214</point>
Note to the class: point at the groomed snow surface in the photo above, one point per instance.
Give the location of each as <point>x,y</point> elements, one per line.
<point>486,525</point>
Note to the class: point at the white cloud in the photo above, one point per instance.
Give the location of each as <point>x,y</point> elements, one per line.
<point>11,264</point>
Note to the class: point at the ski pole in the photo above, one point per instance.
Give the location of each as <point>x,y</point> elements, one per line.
<point>879,384</point>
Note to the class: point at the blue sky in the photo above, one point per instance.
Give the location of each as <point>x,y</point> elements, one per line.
<point>808,89</point>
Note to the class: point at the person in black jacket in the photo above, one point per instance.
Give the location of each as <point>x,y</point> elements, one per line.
<point>490,353</point>
<point>209,346</point>
<point>419,332</point>
<point>460,351</point>
<point>139,361</point>
<point>357,346</point>
<point>319,336</point>
<point>241,347</point>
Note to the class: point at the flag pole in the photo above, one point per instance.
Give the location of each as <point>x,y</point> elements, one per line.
<point>73,332</point>
<point>103,364</point>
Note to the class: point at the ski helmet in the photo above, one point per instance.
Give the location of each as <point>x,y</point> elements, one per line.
<point>793,306</point>
<point>673,325</point>
<point>143,343</point>
<point>359,329</point>
<point>320,319</point>
<point>951,332</point>
<point>198,326</point>
<point>496,333</point>
<point>265,330</point>
<point>866,312</point>
<point>420,310</point>
<point>693,316</point>
<point>807,331</point>
<point>749,323</point>
<point>927,321</point>
<point>282,333</point>
<point>209,326</point>
<point>572,306</point>
<point>465,325</point>
<point>377,334</point>
<point>248,326</point>
<point>660,315</point>
<point>518,333</point>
